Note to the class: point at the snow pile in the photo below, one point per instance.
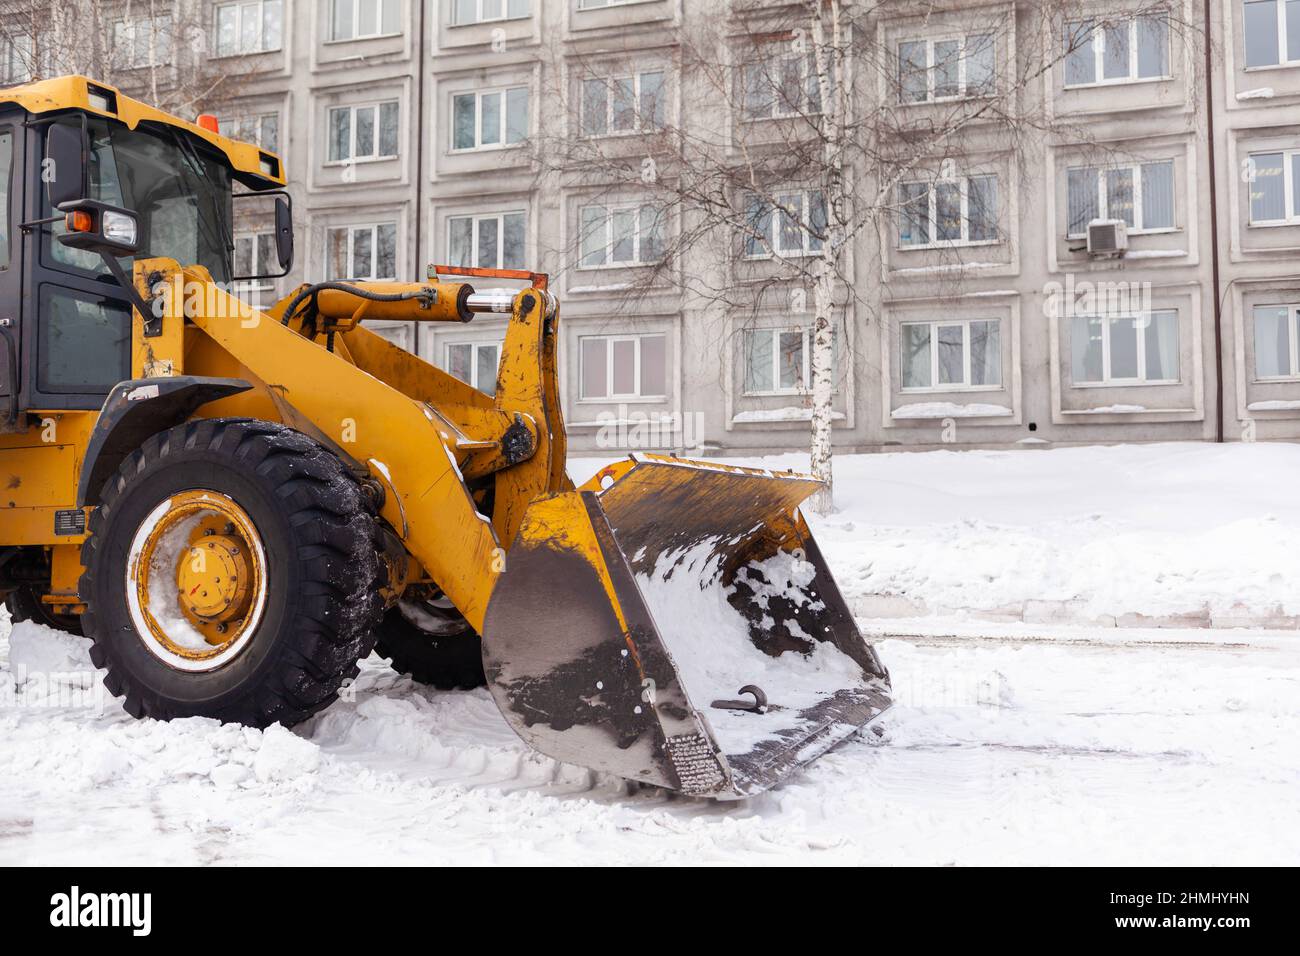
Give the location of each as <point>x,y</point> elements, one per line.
<point>949,410</point>
<point>709,642</point>
<point>37,649</point>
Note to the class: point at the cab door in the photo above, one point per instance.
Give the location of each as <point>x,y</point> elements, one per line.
<point>12,132</point>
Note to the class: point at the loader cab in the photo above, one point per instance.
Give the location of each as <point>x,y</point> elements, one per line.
<point>65,313</point>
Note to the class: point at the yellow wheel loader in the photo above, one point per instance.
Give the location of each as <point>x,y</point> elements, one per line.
<point>236,505</point>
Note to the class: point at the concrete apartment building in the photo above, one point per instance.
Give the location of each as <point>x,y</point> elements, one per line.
<point>405,129</point>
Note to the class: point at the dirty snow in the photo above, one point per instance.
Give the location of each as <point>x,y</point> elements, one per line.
<point>1007,744</point>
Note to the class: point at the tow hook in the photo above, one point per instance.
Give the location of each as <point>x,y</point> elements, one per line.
<point>759,705</point>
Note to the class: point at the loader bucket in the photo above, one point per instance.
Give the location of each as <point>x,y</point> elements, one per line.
<point>633,610</point>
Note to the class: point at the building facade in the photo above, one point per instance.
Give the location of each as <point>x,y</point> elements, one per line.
<point>409,132</point>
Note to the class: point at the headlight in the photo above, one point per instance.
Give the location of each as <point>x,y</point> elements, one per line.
<point>119,227</point>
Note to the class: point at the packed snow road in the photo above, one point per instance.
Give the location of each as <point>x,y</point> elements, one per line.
<point>1122,747</point>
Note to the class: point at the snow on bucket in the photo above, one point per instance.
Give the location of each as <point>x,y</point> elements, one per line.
<point>634,610</point>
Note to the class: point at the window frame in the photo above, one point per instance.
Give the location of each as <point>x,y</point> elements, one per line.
<point>805,372</point>
<point>771,64</point>
<point>131,24</point>
<point>475,347</point>
<point>624,397</point>
<point>235,124</point>
<point>584,6</point>
<point>1103,197</point>
<point>964,92</point>
<point>965,384</point>
<point>356,7</point>
<point>257,286</point>
<point>636,261</point>
<point>352,109</point>
<point>770,245</point>
<point>239,6</point>
<point>478,4</point>
<point>352,229</point>
<point>1293,327</point>
<point>640,127</point>
<point>504,128</point>
<point>1290,190</point>
<point>932,214</point>
<point>1108,380</point>
<point>477,218</point>
<point>17,56</point>
<point>1099,54</point>
<point>1283,48</point>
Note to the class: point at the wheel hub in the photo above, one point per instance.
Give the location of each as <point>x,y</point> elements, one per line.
<point>196,580</point>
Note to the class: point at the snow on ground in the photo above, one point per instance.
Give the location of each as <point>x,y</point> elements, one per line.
<point>1165,529</point>
<point>1007,744</point>
<point>998,751</point>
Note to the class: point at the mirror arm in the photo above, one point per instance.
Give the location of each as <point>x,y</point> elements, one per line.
<point>152,323</point>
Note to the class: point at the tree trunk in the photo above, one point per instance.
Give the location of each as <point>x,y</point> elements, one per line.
<point>834,99</point>
<point>823,384</point>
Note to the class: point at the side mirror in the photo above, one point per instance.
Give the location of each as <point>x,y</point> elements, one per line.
<point>98,227</point>
<point>283,233</point>
<point>67,155</point>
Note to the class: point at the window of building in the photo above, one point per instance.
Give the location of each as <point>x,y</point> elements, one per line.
<point>362,19</point>
<point>255,255</point>
<point>622,366</point>
<point>951,212</point>
<point>489,242</point>
<point>623,104</point>
<point>947,356</point>
<point>489,119</point>
<point>777,361</point>
<point>363,132</point>
<point>781,85</point>
<point>261,129</point>
<point>619,235</point>
<point>254,27</point>
<point>1276,338</point>
<point>935,70</point>
<point>1272,32</point>
<point>362,252</point>
<point>1275,188</point>
<point>791,224</point>
<point>1125,349</point>
<point>1117,51</point>
<point>142,41</point>
<point>475,363</point>
<point>486,11</point>
<point>1141,194</point>
<point>16,59</point>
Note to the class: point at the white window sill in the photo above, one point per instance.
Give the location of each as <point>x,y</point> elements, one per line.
<point>231,56</point>
<point>779,116</point>
<point>948,100</point>
<point>778,416</point>
<point>1288,65</point>
<point>359,161</point>
<point>956,244</point>
<point>947,389</point>
<point>376,36</point>
<point>1277,380</point>
<point>608,266</point>
<point>1127,383</point>
<point>625,400</point>
<point>1162,231</point>
<point>1104,84</point>
<point>622,133</point>
<point>1273,405</point>
<point>781,254</point>
<point>1274,224</point>
<point>479,23</point>
<point>491,148</point>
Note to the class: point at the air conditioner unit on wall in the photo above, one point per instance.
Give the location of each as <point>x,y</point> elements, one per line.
<point>1107,237</point>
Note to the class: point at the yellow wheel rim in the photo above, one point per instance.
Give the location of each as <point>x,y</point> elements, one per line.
<point>196,580</point>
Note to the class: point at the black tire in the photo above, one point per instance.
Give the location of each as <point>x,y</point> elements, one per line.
<point>323,575</point>
<point>445,661</point>
<point>24,604</point>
